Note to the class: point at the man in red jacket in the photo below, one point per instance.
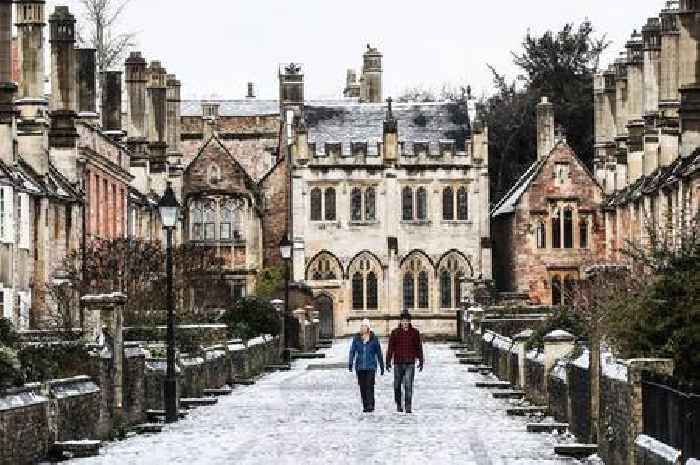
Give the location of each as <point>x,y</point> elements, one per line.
<point>405,347</point>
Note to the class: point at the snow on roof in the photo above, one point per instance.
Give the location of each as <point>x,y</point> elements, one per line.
<point>509,201</point>
<point>664,451</point>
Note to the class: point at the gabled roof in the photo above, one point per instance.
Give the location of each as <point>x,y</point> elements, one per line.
<point>23,178</point>
<point>240,107</point>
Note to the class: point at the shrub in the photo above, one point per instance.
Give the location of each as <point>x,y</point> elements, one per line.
<point>8,336</point>
<point>250,317</point>
<point>562,318</point>
<point>10,369</point>
<point>53,361</point>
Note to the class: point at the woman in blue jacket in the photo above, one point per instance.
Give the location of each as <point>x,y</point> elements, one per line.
<point>365,353</point>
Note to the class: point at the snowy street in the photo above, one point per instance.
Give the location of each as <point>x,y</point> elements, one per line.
<point>314,416</point>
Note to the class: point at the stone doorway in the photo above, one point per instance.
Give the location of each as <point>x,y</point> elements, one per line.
<point>324,305</point>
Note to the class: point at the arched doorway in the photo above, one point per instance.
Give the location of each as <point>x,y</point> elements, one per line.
<point>324,305</point>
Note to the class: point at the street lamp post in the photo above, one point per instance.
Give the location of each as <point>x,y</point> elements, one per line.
<point>286,253</point>
<point>169,211</point>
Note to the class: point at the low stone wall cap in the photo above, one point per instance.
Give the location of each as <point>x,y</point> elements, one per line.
<point>559,335</point>
<point>523,335</point>
<point>115,297</point>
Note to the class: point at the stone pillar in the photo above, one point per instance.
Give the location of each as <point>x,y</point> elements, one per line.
<point>635,77</point>
<point>300,315</point>
<point>545,128</point>
<point>300,153</point>
<point>651,36</point>
<point>621,95</point>
<point>112,104</point>
<point>557,344</point>
<point>520,340</point>
<point>87,86</point>
<point>635,150</point>
<point>390,141</point>
<point>173,119</point>
<point>669,62</point>
<point>105,319</point>
<point>291,78</point>
<point>635,368</point>
<point>30,34</point>
<point>135,78</point>
<point>8,88</point>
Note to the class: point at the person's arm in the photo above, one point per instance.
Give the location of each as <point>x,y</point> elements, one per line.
<point>420,349</point>
<point>380,357</point>
<point>351,358</point>
<point>390,351</point>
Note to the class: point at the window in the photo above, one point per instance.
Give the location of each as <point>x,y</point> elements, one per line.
<point>197,221</point>
<point>330,204</point>
<point>459,277</point>
<point>568,229</point>
<point>556,229</point>
<point>583,233</point>
<point>372,294</point>
<point>568,287</point>
<point>448,204</point>
<point>238,290</point>
<point>408,289</point>
<point>370,204</point>
<point>561,174</point>
<point>356,204</point>
<point>541,233</point>
<point>556,290</point>
<point>214,174</point>
<point>323,267</point>
<point>407,204</point>
<point>316,207</point>
<point>358,301</point>
<point>462,204</point>
<point>209,222</point>
<point>422,203</point>
<point>226,221</point>
<point>423,292</point>
<point>56,222</point>
<point>445,289</point>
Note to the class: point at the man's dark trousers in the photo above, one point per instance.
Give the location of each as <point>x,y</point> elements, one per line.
<point>403,375</point>
<point>365,379</point>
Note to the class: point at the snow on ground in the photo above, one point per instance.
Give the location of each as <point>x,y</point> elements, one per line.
<point>314,417</point>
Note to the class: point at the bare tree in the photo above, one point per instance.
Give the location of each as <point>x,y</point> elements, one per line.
<point>102,31</point>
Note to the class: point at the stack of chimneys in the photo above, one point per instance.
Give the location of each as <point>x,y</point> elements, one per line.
<point>251,90</point>
<point>8,88</point>
<point>545,128</point>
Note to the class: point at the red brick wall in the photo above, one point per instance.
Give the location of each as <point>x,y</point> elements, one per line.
<point>106,209</point>
<point>274,190</point>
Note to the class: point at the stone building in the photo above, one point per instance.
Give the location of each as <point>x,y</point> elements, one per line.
<point>549,226</point>
<point>389,208</point>
<point>369,87</point>
<point>647,130</point>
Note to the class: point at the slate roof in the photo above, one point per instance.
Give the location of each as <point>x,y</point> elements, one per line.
<point>509,201</point>
<point>241,107</point>
<point>348,121</point>
<point>53,185</point>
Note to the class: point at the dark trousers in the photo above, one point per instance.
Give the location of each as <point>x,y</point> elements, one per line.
<point>403,376</point>
<point>365,378</point>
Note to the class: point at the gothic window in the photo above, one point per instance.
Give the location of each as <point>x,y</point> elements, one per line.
<point>556,290</point>
<point>423,291</point>
<point>462,204</point>
<point>197,216</point>
<point>568,229</point>
<point>316,207</point>
<point>583,233</point>
<point>356,204</point>
<point>209,222</point>
<point>407,204</point>
<point>445,289</point>
<point>226,222</point>
<point>408,292</point>
<point>372,294</point>
<point>421,204</point>
<point>330,204</point>
<point>358,302</point>
<point>370,204</point>
<point>324,267</point>
<point>448,204</point>
<point>459,277</point>
<point>541,232</point>
<point>556,229</point>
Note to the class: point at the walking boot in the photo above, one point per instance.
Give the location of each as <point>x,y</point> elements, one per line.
<point>399,408</point>
<point>408,408</point>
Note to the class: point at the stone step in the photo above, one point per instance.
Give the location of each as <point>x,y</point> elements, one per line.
<point>485,371</point>
<point>459,346</point>
<point>159,415</point>
<point>148,428</point>
<point>578,451</point>
<point>243,381</point>
<point>469,354</point>
<point>529,410</point>
<point>508,394</point>
<point>277,367</point>
<point>477,368</point>
<point>326,341</point>
<point>545,427</point>
<point>307,355</point>
<point>218,392</point>
<point>323,346</point>
<point>493,384</point>
<point>77,449</point>
<point>471,361</point>
<point>194,402</point>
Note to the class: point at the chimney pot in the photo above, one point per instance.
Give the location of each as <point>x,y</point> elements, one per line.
<point>251,90</point>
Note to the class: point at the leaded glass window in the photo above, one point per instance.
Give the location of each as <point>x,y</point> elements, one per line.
<point>462,204</point>
<point>316,207</point>
<point>330,204</point>
<point>357,291</point>
<point>407,204</point>
<point>370,204</point>
<point>408,296</point>
<point>372,294</point>
<point>422,204</point>
<point>448,207</point>
<point>423,291</point>
<point>445,289</point>
<point>356,204</point>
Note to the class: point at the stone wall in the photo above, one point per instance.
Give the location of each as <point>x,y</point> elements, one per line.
<point>558,392</point>
<point>580,392</point>
<point>134,389</point>
<point>24,424</point>
<point>615,424</point>
<point>535,380</point>
<point>74,408</point>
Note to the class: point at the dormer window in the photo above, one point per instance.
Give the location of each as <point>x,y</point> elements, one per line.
<point>214,175</point>
<point>359,149</point>
<point>561,174</point>
<point>333,149</point>
<point>420,149</point>
<point>447,148</point>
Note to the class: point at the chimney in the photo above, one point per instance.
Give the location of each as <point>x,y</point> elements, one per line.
<point>173,118</point>
<point>635,77</point>
<point>668,89</point>
<point>62,134</point>
<point>689,54</point>
<point>210,118</point>
<point>112,104</point>
<point>8,88</point>
<point>390,141</point>
<point>291,77</point>
<point>135,67</point>
<point>156,109</point>
<point>371,83</point>
<point>545,128</point>
<point>30,24</point>
<point>87,89</point>
<point>251,90</point>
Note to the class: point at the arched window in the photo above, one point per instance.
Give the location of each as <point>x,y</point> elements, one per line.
<point>197,216</point>
<point>422,203</point>
<point>458,289</point>
<point>226,222</point>
<point>330,204</point>
<point>568,229</point>
<point>370,204</point>
<point>462,204</point>
<point>372,292</point>
<point>356,204</point>
<point>448,206</point>
<point>541,232</point>
<point>556,290</point>
<point>423,290</point>
<point>408,291</point>
<point>323,267</point>
<point>316,207</point>
<point>583,233</point>
<point>407,204</point>
<point>209,222</point>
<point>358,300</point>
<point>445,289</point>
<point>556,229</point>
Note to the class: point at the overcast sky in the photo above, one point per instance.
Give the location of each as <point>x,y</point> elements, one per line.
<point>217,46</point>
